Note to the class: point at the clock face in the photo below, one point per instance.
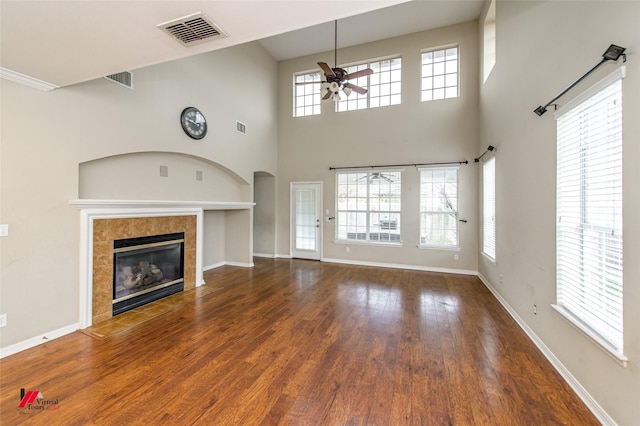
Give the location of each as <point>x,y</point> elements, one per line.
<point>193,123</point>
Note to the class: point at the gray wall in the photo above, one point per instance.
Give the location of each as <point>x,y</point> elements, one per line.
<point>47,136</point>
<point>414,132</point>
<point>542,47</point>
<point>264,215</point>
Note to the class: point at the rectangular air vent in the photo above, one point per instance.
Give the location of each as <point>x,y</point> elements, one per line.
<point>192,29</point>
<point>124,78</point>
<point>241,127</point>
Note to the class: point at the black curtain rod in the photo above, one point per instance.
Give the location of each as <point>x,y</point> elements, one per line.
<point>611,54</point>
<point>399,165</point>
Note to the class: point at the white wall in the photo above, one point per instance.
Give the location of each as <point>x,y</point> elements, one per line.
<point>542,47</point>
<point>137,177</point>
<point>264,215</point>
<point>414,132</point>
<point>46,136</point>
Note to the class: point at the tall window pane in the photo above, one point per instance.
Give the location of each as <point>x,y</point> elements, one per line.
<point>440,74</point>
<point>368,206</point>
<point>307,94</point>
<point>439,207</point>
<point>384,86</point>
<point>589,212</point>
<point>489,208</point>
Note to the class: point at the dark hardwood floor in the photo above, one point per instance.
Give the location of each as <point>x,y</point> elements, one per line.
<point>302,343</point>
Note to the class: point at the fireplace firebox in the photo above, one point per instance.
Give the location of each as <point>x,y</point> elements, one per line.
<point>146,269</point>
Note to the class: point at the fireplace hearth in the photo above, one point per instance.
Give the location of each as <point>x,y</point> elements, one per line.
<point>146,269</point>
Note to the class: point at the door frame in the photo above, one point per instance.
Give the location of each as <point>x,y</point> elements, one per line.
<point>319,197</point>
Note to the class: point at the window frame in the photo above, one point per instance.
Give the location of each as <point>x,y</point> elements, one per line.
<point>369,212</point>
<point>577,296</point>
<point>366,83</point>
<point>424,75</point>
<point>313,88</point>
<point>423,212</point>
<point>489,243</point>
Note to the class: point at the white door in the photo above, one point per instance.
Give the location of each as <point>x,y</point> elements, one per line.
<point>306,226</point>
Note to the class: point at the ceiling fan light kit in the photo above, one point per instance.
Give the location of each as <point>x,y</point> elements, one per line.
<point>336,79</point>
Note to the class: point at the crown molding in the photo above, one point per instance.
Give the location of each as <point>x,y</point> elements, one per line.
<point>25,80</point>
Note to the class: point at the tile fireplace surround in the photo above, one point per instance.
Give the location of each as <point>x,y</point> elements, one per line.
<point>106,231</point>
<point>103,221</point>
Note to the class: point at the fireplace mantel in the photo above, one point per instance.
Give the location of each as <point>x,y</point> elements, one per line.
<point>204,205</point>
<point>91,209</point>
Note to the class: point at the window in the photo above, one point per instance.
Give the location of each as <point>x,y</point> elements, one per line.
<point>368,206</point>
<point>489,39</point>
<point>439,207</point>
<point>440,74</point>
<point>589,212</point>
<point>307,94</point>
<point>489,208</point>
<point>384,86</point>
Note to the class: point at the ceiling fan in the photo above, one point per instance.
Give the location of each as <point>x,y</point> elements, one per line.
<point>377,176</point>
<point>336,79</point>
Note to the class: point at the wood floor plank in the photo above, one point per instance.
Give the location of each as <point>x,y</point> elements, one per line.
<point>296,342</point>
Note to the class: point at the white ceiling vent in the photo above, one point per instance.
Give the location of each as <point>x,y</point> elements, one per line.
<point>192,29</point>
<point>241,127</point>
<point>124,78</point>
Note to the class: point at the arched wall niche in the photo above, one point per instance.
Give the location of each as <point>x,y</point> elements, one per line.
<point>160,176</point>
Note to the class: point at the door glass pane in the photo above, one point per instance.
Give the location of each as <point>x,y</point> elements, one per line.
<point>305,219</point>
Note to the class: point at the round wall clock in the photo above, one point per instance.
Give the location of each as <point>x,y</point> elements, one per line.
<point>193,123</point>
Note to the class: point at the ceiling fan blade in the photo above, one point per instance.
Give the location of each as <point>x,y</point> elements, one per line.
<point>327,95</point>
<point>360,73</point>
<point>326,68</point>
<point>356,89</point>
<point>308,82</point>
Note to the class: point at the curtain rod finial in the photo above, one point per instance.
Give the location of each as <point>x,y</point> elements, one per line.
<point>540,110</point>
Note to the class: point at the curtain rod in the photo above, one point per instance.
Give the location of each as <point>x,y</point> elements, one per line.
<point>400,165</point>
<point>611,54</point>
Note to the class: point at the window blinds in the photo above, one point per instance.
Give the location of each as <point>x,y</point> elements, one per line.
<point>589,210</point>
<point>489,208</point>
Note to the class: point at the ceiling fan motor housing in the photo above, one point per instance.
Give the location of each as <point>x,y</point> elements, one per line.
<point>339,77</point>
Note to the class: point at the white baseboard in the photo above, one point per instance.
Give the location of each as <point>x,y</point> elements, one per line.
<point>399,266</point>
<point>240,264</point>
<point>267,255</point>
<point>283,256</point>
<point>38,340</point>
<point>227,263</point>
<point>577,387</point>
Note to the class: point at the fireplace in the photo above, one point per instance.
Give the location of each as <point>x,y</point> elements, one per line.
<point>146,269</point>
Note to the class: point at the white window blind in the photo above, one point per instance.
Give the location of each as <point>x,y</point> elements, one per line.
<point>489,208</point>
<point>589,211</point>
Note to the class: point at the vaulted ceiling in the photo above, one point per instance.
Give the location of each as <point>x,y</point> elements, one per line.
<point>66,42</point>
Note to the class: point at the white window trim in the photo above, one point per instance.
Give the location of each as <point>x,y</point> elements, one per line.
<point>295,97</point>
<point>486,255</point>
<point>459,72</point>
<point>584,329</point>
<point>436,246</point>
<point>572,319</point>
<point>337,240</point>
<point>368,94</point>
<point>617,74</point>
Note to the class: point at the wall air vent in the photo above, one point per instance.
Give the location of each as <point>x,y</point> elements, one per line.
<point>124,78</point>
<point>241,127</point>
<point>192,29</point>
